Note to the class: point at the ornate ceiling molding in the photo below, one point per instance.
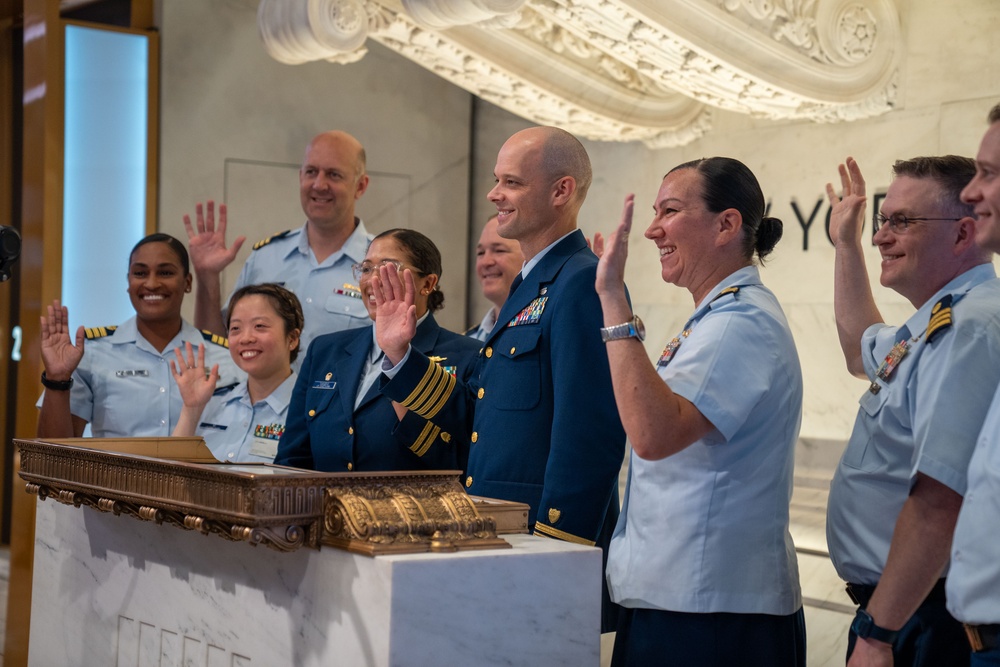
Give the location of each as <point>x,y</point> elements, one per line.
<point>621,70</point>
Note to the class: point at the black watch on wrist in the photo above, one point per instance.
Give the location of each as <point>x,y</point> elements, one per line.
<point>864,627</point>
<point>56,385</point>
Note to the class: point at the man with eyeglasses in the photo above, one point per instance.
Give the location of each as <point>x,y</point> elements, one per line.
<point>974,580</point>
<point>896,494</point>
<point>314,261</point>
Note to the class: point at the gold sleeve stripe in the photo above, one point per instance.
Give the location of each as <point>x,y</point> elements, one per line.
<point>421,386</point>
<point>431,392</point>
<point>549,531</point>
<point>438,397</point>
<point>426,439</point>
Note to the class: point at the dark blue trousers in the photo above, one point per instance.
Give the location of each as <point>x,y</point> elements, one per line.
<point>649,637</point>
<point>986,658</point>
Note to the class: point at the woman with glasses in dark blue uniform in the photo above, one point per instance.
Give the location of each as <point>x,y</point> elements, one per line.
<point>338,420</point>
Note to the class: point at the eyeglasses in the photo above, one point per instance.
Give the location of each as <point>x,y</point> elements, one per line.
<point>364,270</point>
<point>899,223</point>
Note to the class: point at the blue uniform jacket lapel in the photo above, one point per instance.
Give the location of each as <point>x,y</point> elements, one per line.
<point>542,274</point>
<point>351,366</point>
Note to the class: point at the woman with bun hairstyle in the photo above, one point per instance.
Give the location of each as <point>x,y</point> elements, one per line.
<point>701,559</point>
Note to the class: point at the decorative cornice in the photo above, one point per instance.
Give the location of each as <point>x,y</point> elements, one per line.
<point>622,70</point>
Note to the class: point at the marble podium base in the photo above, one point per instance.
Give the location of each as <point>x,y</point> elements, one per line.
<point>112,590</point>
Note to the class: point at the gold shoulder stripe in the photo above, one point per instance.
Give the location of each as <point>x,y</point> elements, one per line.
<point>728,290</point>
<point>221,341</point>
<point>99,332</point>
<point>426,439</point>
<point>940,318</point>
<point>263,242</point>
<point>549,531</point>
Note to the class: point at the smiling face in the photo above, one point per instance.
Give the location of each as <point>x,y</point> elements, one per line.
<point>157,283</point>
<point>498,260</point>
<point>388,249</point>
<point>258,342</point>
<point>682,230</point>
<point>983,191</point>
<point>330,182</point>
<point>920,261</point>
<point>523,193</point>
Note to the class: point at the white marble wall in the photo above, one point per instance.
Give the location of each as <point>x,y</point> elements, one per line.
<point>223,99</point>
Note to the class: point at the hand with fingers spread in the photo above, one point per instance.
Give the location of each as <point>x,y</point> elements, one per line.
<point>848,209</point>
<point>207,243</point>
<point>59,355</point>
<point>611,267</point>
<point>396,316</point>
<point>195,383</point>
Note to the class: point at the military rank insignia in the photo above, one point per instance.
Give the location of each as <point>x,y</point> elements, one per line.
<point>940,318</point>
<point>349,290</point>
<point>668,351</point>
<point>530,315</point>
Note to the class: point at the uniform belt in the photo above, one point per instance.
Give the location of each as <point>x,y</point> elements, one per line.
<point>861,594</point>
<point>983,637</point>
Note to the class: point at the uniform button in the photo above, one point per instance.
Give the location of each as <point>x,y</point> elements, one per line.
<point>231,455</point>
<point>489,352</point>
<point>513,350</point>
<point>445,436</point>
<point>350,430</point>
<point>346,309</point>
<point>312,413</point>
<point>162,389</point>
<point>350,466</point>
<point>309,300</point>
<point>482,392</point>
<point>162,422</point>
<point>468,481</point>
<point>475,436</point>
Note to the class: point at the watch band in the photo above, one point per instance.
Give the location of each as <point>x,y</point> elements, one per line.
<point>631,329</point>
<point>56,385</point>
<point>865,628</point>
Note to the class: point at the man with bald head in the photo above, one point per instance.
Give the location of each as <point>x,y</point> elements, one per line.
<point>544,426</point>
<point>313,261</point>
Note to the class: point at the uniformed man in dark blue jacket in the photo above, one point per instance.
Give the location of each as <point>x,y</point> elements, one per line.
<point>544,426</point>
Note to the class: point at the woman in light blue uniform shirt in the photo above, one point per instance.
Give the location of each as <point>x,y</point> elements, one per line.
<point>243,422</point>
<point>701,558</point>
<point>120,382</point>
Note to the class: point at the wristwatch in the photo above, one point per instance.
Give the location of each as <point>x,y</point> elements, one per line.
<point>634,328</point>
<point>864,627</point>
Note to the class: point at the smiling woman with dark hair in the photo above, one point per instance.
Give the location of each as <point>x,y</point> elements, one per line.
<point>122,385</point>
<point>701,559</point>
<point>243,422</point>
<point>338,420</point>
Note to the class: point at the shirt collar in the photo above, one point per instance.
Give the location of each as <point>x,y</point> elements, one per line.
<point>533,262</point>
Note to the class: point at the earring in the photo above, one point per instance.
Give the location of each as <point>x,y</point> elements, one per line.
<point>425,292</point>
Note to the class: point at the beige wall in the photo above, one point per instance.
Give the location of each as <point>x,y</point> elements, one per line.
<point>223,98</point>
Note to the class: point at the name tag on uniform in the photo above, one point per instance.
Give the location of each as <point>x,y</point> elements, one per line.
<point>217,427</point>
<point>264,447</point>
<point>324,384</point>
<point>132,374</point>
